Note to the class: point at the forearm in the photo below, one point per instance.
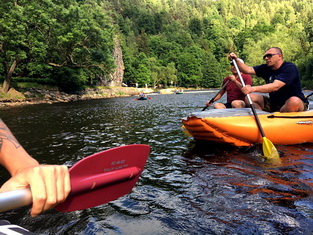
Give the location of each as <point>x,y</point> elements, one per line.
<point>12,155</point>
<point>219,95</point>
<point>238,84</point>
<point>267,88</point>
<point>245,68</point>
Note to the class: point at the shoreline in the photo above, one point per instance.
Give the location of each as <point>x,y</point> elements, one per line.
<point>33,96</point>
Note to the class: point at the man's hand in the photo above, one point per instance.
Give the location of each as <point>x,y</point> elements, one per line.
<point>232,78</point>
<point>247,89</point>
<point>208,103</point>
<point>232,56</point>
<point>49,184</point>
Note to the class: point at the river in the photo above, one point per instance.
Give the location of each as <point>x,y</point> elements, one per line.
<point>187,187</point>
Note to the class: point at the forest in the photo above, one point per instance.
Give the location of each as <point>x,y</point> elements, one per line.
<point>165,43</point>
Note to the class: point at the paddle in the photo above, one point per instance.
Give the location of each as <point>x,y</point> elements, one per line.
<point>212,100</point>
<point>95,180</point>
<point>185,131</point>
<point>309,95</point>
<point>269,150</point>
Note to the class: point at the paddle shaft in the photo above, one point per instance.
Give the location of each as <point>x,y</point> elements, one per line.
<point>309,95</point>
<point>212,100</point>
<point>15,199</point>
<point>250,101</point>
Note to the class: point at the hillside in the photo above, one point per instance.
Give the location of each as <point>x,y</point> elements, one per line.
<point>158,43</point>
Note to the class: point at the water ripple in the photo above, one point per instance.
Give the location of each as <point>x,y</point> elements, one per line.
<point>187,186</point>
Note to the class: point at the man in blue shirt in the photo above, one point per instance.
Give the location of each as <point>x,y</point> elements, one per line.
<point>282,83</point>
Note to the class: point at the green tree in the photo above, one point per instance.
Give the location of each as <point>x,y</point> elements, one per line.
<point>35,34</point>
<point>163,40</point>
<point>141,72</point>
<point>189,72</point>
<point>212,71</point>
<point>195,27</point>
<point>22,37</point>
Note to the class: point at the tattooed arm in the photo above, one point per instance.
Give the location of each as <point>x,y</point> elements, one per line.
<point>50,184</point>
<point>10,147</point>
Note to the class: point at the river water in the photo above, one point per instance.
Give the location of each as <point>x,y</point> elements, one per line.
<point>187,187</point>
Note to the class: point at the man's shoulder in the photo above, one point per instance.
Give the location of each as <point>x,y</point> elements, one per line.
<point>261,67</point>
<point>288,64</point>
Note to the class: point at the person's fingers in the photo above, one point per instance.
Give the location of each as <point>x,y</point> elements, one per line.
<point>38,189</point>
<point>53,188</point>
<point>63,184</point>
<point>49,184</point>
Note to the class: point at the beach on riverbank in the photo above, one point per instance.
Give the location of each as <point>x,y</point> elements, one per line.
<point>38,95</point>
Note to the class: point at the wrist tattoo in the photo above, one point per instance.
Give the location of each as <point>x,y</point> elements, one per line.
<point>5,134</point>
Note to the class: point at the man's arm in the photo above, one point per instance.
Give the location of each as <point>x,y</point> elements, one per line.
<point>267,88</point>
<point>217,97</point>
<point>242,67</point>
<point>234,80</point>
<point>49,184</point>
<point>12,155</point>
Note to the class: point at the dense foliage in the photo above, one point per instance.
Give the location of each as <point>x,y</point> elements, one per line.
<point>67,41</point>
<point>165,42</point>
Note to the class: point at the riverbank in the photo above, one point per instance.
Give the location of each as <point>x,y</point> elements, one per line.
<point>53,95</point>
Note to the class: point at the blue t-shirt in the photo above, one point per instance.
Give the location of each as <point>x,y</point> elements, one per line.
<point>287,73</point>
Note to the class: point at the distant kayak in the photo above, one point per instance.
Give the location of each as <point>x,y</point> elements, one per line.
<point>143,98</point>
<point>179,92</point>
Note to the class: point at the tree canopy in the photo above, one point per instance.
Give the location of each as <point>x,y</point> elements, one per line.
<point>164,42</point>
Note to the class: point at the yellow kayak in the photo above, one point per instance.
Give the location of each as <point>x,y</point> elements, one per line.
<point>238,126</point>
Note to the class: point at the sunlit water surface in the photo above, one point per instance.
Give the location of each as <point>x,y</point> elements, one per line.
<point>187,187</point>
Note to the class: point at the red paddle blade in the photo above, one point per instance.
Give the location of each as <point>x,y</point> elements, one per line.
<point>105,176</point>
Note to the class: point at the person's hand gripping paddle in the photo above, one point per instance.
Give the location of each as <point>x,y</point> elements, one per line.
<point>212,100</point>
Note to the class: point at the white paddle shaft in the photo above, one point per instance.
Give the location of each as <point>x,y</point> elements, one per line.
<point>15,199</point>
<point>241,80</point>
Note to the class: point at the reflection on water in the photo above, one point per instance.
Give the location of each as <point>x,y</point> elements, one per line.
<point>187,187</point>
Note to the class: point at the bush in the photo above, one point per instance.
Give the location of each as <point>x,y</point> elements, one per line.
<point>70,80</point>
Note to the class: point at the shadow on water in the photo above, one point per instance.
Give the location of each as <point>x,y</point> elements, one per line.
<point>187,186</point>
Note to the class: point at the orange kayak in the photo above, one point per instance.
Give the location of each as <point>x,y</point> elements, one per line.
<point>238,126</point>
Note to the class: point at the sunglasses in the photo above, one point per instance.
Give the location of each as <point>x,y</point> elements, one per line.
<point>269,55</point>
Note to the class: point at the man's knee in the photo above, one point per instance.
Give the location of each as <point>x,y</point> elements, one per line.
<point>238,104</point>
<point>293,104</point>
<point>219,106</point>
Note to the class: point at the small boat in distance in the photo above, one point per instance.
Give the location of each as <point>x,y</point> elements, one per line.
<point>142,96</point>
<point>179,91</point>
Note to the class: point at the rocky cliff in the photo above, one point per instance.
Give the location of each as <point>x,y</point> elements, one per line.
<point>116,78</point>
